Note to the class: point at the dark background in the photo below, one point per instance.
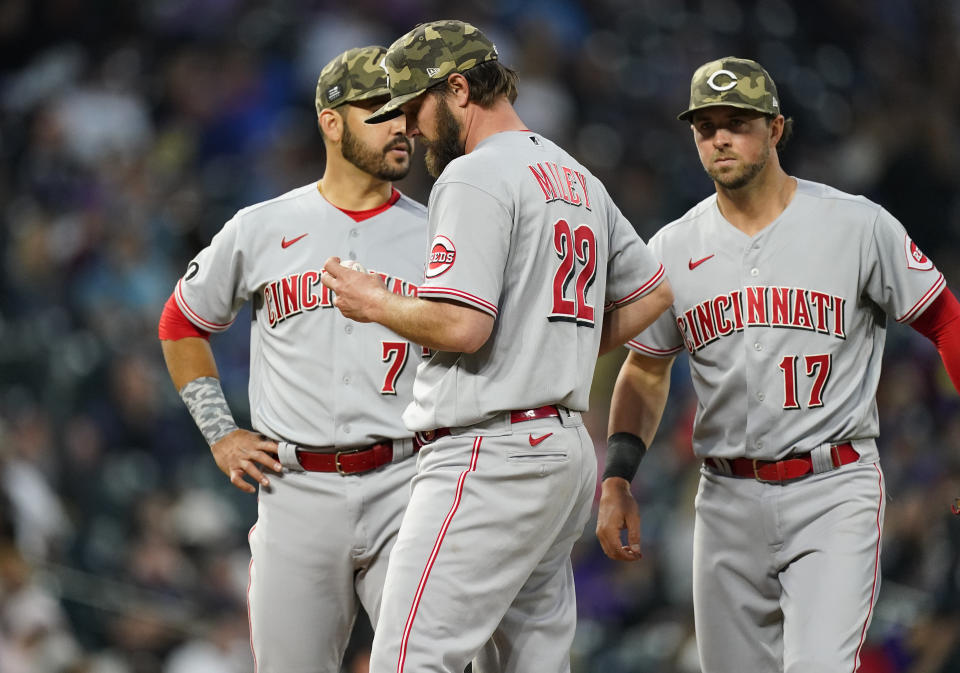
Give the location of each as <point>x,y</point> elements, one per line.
<point>130,131</point>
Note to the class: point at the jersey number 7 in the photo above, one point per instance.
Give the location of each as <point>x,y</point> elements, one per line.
<point>577,250</point>
<point>395,354</point>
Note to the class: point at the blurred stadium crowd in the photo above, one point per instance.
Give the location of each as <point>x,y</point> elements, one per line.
<point>130,131</point>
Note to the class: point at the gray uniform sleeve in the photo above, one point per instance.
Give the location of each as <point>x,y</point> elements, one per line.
<point>630,258</point>
<point>900,278</point>
<point>213,290</point>
<point>662,338</point>
<point>469,246</point>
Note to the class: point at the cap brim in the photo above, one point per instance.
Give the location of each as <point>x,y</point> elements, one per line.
<point>685,116</point>
<point>391,108</point>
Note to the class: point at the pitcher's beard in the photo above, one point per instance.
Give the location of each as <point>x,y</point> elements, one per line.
<point>447,146</point>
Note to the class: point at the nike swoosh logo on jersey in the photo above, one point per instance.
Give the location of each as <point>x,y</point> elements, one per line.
<point>693,265</point>
<point>284,243</point>
<point>536,440</point>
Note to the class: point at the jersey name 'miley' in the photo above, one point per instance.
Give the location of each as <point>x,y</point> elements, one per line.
<point>561,183</point>
<point>761,306</point>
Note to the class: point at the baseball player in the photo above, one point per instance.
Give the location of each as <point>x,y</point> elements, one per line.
<point>782,292</point>
<point>326,394</point>
<point>527,253</point>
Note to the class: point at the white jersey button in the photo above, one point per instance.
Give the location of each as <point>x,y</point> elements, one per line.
<point>760,397</point>
<point>759,444</point>
<point>346,429</point>
<point>348,329</point>
<point>346,380</point>
<point>754,271</point>
<point>757,347</point>
<point>352,254</point>
<point>354,233</point>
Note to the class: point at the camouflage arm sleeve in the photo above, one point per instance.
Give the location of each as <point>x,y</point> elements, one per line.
<point>204,398</point>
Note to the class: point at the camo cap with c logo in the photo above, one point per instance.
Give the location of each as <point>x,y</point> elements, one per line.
<point>738,82</point>
<point>427,55</point>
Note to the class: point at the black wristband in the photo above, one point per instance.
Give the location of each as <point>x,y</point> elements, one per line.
<point>624,452</point>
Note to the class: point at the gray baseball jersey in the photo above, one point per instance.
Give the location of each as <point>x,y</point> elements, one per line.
<point>316,378</point>
<point>785,331</point>
<point>522,231</point>
<point>501,217</point>
<point>321,541</point>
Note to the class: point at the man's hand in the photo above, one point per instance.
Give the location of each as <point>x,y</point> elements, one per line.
<point>618,510</point>
<point>357,293</point>
<point>239,454</point>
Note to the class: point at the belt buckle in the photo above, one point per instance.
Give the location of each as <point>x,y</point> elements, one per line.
<point>756,473</point>
<point>336,459</point>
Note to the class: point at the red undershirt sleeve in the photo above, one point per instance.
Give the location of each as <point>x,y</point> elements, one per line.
<point>175,326</point>
<point>941,324</point>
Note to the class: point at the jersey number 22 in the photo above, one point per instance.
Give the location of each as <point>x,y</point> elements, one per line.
<point>577,250</point>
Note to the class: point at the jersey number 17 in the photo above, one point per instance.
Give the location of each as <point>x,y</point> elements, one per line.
<point>817,367</point>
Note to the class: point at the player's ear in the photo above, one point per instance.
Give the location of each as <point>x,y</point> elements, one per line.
<point>458,89</point>
<point>331,125</point>
<point>776,129</point>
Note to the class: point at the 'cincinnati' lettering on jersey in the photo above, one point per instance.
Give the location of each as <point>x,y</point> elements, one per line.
<point>761,306</point>
<point>560,183</point>
<point>299,292</point>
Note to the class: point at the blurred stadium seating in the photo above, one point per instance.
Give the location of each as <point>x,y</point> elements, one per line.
<point>130,131</point>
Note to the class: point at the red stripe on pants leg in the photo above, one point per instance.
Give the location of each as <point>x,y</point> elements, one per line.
<point>433,554</point>
<point>876,570</point>
<point>253,651</point>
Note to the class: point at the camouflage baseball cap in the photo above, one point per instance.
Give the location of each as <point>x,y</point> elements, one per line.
<point>427,55</point>
<point>738,82</point>
<point>353,75</point>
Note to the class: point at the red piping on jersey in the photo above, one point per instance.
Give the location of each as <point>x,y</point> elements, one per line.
<point>653,351</point>
<point>918,307</point>
<point>175,326</point>
<point>249,587</point>
<point>361,215</point>
<point>460,294</point>
<point>643,288</point>
<point>876,569</point>
<point>433,554</point>
<point>192,315</point>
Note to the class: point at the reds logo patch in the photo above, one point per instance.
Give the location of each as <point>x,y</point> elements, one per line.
<point>442,256</point>
<point>915,257</point>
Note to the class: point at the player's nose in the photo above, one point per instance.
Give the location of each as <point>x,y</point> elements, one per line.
<point>721,137</point>
<point>411,127</point>
<point>398,125</point>
<point>409,117</point>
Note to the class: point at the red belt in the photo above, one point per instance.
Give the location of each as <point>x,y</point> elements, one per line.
<point>549,411</point>
<point>349,461</point>
<point>783,470</point>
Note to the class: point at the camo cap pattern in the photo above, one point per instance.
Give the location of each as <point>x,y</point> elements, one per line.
<point>427,55</point>
<point>738,82</point>
<point>353,75</point>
